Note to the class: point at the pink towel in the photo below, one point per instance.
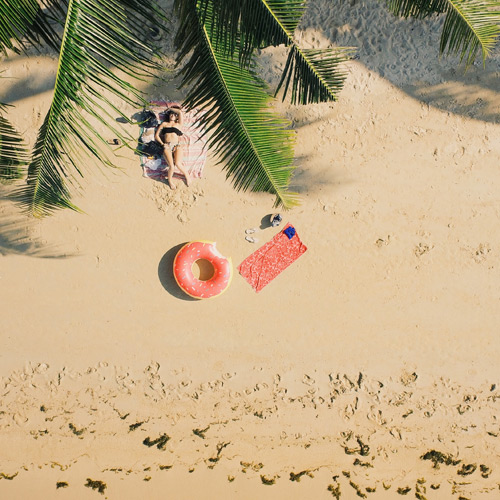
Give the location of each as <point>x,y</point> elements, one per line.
<point>195,151</point>
<point>261,267</point>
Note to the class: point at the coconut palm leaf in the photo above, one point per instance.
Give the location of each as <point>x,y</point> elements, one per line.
<point>13,153</point>
<point>317,75</point>
<point>470,27</point>
<point>416,8</point>
<point>98,34</point>
<point>251,23</point>
<point>255,145</point>
<point>29,20</point>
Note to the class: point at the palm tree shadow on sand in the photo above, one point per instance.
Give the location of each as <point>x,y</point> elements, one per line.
<point>17,236</point>
<point>166,274</point>
<point>405,52</point>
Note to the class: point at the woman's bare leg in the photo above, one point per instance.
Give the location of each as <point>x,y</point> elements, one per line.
<point>167,153</point>
<point>178,154</point>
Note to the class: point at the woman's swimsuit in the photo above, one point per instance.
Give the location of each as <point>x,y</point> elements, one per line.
<point>171,130</point>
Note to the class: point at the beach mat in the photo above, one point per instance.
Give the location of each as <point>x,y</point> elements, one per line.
<point>271,259</point>
<point>195,149</point>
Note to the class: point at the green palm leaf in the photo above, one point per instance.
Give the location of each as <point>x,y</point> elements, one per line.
<point>416,8</point>
<point>254,144</point>
<point>470,27</point>
<point>13,152</point>
<point>22,20</point>
<point>250,23</point>
<point>316,75</point>
<point>98,34</point>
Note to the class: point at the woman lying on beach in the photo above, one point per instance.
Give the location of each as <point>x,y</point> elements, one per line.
<point>168,134</point>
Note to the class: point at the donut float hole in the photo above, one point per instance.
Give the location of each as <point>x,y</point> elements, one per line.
<point>202,269</point>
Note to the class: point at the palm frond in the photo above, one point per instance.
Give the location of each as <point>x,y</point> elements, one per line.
<point>13,152</point>
<point>416,8</point>
<point>28,21</point>
<point>470,27</point>
<point>250,24</point>
<point>255,145</point>
<point>244,26</point>
<point>98,34</point>
<point>317,75</point>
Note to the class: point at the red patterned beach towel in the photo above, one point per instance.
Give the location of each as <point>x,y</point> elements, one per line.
<point>195,150</point>
<point>260,268</point>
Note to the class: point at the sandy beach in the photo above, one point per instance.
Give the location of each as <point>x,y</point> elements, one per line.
<point>367,369</point>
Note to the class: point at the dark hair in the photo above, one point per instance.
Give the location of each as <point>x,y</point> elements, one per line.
<point>168,114</point>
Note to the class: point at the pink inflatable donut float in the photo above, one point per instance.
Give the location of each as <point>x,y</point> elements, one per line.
<point>183,270</point>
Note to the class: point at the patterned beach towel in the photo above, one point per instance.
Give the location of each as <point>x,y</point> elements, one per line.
<point>261,267</point>
<point>195,151</point>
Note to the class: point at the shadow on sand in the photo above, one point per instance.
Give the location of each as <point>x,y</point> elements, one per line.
<point>17,234</point>
<point>406,53</point>
<point>166,275</point>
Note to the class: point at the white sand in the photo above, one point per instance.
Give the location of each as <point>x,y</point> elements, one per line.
<point>384,331</point>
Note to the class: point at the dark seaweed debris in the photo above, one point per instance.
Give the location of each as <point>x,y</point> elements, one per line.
<point>133,427</point>
<point>165,467</point>
<point>114,469</point>
<point>466,469</point>
<point>267,481</point>
<point>251,465</point>
<point>362,464</point>
<point>357,489</point>
<point>363,449</point>
<point>215,459</point>
<point>201,432</point>
<point>420,489</point>
<point>160,442</point>
<point>485,471</point>
<point>75,431</point>
<point>296,477</point>
<point>61,484</point>
<point>96,485</point>
<point>439,458</point>
<point>404,491</point>
<point>334,489</point>
<point>9,477</point>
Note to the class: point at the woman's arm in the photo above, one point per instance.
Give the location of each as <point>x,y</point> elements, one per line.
<point>178,112</point>
<point>157,134</point>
